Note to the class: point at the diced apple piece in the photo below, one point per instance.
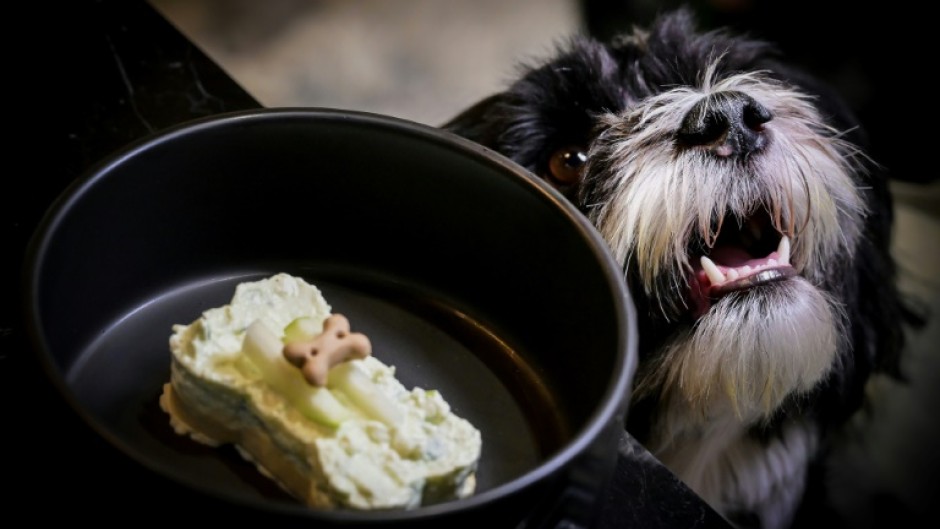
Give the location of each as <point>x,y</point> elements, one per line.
<point>321,405</point>
<point>363,392</point>
<point>302,329</point>
<point>263,348</point>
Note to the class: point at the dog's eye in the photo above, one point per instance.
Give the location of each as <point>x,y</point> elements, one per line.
<point>566,165</point>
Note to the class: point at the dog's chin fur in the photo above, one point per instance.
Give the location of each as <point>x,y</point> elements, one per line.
<point>730,371</point>
<point>743,360</point>
<point>737,390</point>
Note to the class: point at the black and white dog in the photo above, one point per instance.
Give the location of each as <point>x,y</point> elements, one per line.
<point>753,231</point>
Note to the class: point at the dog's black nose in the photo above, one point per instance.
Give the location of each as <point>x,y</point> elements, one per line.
<point>729,123</point>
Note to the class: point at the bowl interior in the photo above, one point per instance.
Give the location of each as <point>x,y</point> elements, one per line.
<point>469,275</point>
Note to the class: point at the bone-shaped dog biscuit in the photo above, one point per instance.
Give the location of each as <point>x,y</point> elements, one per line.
<point>334,345</point>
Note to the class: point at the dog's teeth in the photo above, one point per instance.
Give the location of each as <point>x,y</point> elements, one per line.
<point>712,271</point>
<point>783,251</point>
<point>745,270</point>
<point>771,262</point>
<point>732,274</point>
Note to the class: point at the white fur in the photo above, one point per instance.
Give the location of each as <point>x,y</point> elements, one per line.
<point>735,472</point>
<point>748,353</point>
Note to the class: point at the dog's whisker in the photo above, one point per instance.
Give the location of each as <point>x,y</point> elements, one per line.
<point>797,234</point>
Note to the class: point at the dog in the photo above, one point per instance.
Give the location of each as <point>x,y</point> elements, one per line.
<point>753,230</point>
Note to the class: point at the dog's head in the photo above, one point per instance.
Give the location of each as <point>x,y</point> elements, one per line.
<point>735,191</point>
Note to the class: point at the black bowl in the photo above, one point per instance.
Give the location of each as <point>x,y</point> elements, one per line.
<point>469,274</point>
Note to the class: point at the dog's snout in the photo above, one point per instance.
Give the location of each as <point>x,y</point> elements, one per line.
<point>727,123</point>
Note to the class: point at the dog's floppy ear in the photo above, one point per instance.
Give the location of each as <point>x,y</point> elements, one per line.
<point>480,122</point>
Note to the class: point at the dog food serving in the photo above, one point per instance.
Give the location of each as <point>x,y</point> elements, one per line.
<point>301,396</point>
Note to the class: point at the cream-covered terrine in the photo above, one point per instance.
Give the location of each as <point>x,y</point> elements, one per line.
<point>350,437</point>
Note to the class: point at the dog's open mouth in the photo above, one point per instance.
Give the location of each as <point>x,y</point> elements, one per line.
<point>746,253</point>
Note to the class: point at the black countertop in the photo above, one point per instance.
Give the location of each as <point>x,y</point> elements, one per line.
<point>124,72</point>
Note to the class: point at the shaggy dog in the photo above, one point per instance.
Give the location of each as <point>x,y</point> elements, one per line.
<point>753,232</point>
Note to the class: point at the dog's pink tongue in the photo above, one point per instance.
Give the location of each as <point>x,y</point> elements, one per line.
<point>729,268</point>
<point>700,299</point>
<point>732,256</point>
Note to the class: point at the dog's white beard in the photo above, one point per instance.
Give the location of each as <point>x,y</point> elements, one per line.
<point>729,372</point>
<point>751,350</point>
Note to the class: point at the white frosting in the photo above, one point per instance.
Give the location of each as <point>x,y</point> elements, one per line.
<point>216,396</point>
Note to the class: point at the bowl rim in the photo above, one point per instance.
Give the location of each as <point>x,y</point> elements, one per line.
<point>614,401</point>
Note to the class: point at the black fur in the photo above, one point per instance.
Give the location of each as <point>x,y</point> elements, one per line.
<point>555,104</point>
